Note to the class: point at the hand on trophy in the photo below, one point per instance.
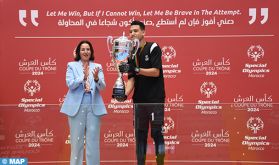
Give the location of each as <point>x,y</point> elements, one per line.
<point>124,67</point>
<point>128,67</point>
<point>132,68</point>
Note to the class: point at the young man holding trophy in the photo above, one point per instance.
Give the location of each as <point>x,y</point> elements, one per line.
<point>145,77</point>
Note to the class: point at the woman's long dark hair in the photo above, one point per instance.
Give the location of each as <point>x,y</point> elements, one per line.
<point>77,58</point>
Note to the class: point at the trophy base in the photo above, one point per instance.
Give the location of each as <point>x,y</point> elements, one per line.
<point>119,94</point>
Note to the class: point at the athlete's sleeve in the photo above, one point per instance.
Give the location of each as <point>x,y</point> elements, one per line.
<point>155,56</point>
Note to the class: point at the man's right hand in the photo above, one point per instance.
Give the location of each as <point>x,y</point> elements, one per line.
<point>124,67</point>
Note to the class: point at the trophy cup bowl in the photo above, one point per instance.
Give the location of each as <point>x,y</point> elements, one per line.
<point>121,49</point>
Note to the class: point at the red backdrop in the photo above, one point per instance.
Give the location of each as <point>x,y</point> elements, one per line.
<point>220,67</point>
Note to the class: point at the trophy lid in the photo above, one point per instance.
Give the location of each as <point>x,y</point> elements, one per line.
<point>122,39</point>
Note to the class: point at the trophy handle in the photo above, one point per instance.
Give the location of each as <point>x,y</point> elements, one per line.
<point>136,45</point>
<point>109,44</point>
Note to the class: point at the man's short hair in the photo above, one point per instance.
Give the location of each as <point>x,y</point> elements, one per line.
<point>141,24</point>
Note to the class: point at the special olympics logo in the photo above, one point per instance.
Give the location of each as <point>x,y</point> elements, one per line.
<point>32,87</point>
<point>255,52</point>
<point>255,124</point>
<point>168,125</point>
<point>168,52</point>
<point>208,89</point>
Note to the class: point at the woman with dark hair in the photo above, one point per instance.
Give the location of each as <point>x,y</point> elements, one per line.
<point>84,105</point>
